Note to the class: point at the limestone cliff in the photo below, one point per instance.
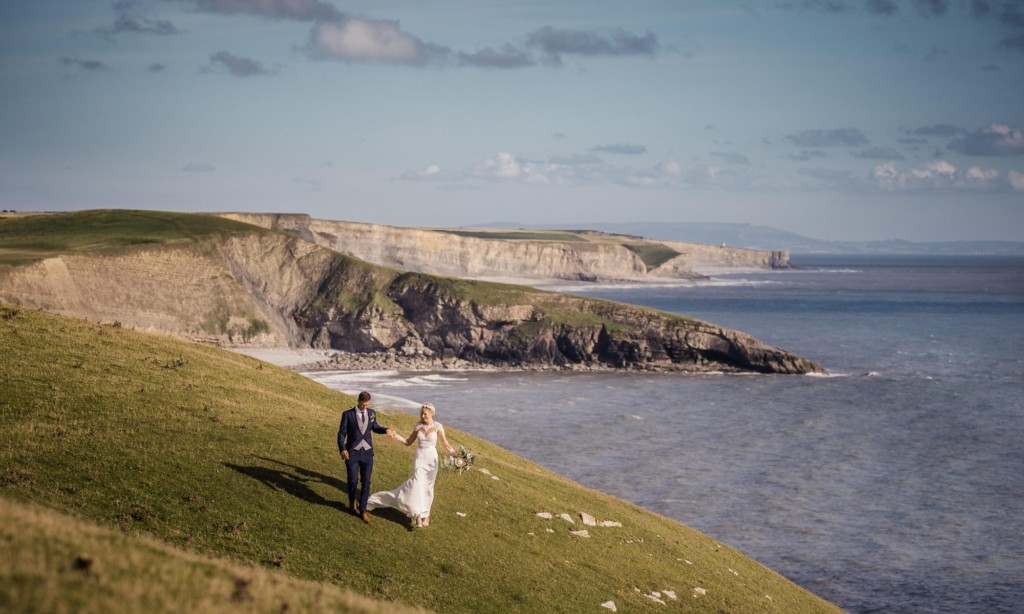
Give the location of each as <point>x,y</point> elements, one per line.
<point>490,254</point>
<point>267,288</point>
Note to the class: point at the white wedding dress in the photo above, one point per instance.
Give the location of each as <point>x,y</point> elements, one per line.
<point>415,496</point>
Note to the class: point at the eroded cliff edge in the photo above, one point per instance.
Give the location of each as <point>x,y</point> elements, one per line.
<point>237,284</point>
<point>521,255</point>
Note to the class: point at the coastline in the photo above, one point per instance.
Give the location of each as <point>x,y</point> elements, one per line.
<point>313,360</point>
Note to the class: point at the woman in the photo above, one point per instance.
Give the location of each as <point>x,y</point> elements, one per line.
<point>416,495</point>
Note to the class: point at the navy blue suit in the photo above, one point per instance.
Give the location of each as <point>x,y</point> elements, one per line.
<point>359,465</point>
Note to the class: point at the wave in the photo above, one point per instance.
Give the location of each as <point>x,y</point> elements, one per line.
<point>354,381</point>
<point>340,379</point>
<point>711,283</point>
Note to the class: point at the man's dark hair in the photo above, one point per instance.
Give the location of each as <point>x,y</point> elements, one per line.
<point>364,397</point>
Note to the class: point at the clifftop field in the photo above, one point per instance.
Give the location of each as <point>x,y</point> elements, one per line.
<point>144,473</point>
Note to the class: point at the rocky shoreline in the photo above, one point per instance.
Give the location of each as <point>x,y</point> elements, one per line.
<point>303,360</point>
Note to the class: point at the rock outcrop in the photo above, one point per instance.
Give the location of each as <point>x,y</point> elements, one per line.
<point>489,254</point>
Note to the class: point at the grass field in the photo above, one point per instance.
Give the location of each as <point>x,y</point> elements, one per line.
<point>166,475</point>
<point>29,238</point>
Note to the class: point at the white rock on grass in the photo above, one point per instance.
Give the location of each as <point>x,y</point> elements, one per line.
<point>610,605</point>
<point>699,591</point>
<point>590,521</point>
<point>567,518</point>
<point>545,515</point>
<point>581,533</point>
<point>670,594</point>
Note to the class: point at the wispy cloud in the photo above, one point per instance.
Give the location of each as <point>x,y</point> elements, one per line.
<point>936,130</point>
<point>507,56</point>
<point>125,24</point>
<point>337,35</point>
<point>580,170</point>
<point>239,66</point>
<point>879,153</point>
<point>992,140</point>
<point>625,149</point>
<point>87,65</point>
<point>842,137</point>
<point>300,10</point>
<point>555,43</point>
<point>807,155</point>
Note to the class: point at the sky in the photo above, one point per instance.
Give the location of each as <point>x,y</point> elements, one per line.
<point>835,119</point>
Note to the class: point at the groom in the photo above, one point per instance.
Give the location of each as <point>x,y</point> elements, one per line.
<point>355,442</point>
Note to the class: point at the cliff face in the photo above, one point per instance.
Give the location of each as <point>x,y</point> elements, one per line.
<point>593,257</point>
<point>710,258</point>
<point>272,289</point>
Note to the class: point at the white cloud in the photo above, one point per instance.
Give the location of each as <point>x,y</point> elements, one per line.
<point>506,167</point>
<point>431,173</point>
<point>1016,181</point>
<point>939,174</point>
<point>503,166</point>
<point>992,140</point>
<point>977,177</point>
<point>935,170</point>
<point>671,169</point>
<point>364,40</point>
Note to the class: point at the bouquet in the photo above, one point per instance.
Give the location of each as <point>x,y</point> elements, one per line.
<point>461,460</point>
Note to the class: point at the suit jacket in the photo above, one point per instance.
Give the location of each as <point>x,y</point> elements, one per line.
<point>349,435</point>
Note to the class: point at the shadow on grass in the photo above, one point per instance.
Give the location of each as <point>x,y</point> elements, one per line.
<point>295,481</point>
<point>395,516</point>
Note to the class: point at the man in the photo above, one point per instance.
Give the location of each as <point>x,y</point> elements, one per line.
<point>355,442</point>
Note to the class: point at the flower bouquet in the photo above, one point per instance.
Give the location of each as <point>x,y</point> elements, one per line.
<point>461,460</point>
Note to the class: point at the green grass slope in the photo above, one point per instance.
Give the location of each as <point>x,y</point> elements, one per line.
<point>55,563</point>
<point>211,453</point>
<point>27,239</point>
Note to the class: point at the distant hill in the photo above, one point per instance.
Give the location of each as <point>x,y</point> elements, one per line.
<point>768,238</point>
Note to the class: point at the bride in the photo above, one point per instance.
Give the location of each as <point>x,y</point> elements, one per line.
<point>415,496</point>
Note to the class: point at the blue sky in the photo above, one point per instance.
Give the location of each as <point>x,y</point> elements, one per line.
<point>837,119</point>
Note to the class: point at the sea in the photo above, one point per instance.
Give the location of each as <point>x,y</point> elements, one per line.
<point>893,484</point>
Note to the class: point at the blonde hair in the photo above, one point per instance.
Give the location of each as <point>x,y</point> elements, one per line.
<point>429,407</point>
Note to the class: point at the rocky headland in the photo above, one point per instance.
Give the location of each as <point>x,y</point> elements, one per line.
<point>529,256</point>
<point>234,284</point>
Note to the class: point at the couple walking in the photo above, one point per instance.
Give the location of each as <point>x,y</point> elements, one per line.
<point>355,442</point>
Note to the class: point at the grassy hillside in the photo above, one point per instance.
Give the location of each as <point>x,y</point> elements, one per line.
<point>56,563</point>
<point>29,238</point>
<point>139,438</point>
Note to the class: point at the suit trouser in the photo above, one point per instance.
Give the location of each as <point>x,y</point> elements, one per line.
<point>359,470</point>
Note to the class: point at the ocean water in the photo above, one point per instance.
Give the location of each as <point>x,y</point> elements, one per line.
<point>895,484</point>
